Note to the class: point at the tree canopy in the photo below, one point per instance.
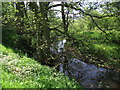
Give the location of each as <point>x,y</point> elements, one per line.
<point>33,27</point>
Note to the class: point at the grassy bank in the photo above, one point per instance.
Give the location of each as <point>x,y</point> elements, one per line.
<point>19,71</point>
<point>104,49</point>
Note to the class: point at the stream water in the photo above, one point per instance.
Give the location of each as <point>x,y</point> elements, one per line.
<point>91,76</point>
<point>88,75</point>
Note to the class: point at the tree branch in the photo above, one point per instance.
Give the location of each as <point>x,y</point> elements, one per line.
<point>79,41</point>
<point>54,6</point>
<point>72,7</point>
<point>97,25</point>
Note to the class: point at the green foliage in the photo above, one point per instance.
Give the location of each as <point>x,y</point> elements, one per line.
<point>0,86</point>
<point>22,72</point>
<point>30,31</point>
<point>108,50</point>
<point>104,47</point>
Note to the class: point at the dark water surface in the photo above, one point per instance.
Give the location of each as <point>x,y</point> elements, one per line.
<point>88,75</point>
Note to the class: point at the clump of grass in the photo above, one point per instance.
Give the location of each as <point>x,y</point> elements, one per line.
<point>23,72</point>
<point>105,47</point>
<point>109,50</point>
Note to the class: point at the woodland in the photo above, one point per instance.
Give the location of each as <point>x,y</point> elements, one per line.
<point>38,38</point>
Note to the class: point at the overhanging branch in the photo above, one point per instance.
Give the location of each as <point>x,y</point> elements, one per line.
<point>97,25</point>
<point>79,9</point>
<point>54,6</point>
<point>69,36</point>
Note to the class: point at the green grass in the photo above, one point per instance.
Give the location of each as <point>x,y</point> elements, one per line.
<point>101,46</point>
<point>109,51</point>
<point>23,72</point>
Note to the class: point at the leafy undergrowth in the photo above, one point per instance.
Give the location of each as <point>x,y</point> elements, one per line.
<point>104,55</point>
<point>99,50</point>
<point>109,51</point>
<point>22,72</point>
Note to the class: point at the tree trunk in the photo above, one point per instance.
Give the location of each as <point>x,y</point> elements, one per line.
<point>43,34</point>
<point>63,17</point>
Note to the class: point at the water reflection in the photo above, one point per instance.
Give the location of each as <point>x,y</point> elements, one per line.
<point>89,75</point>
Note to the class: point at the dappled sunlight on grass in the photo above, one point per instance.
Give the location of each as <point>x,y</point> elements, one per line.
<point>111,52</point>
<point>108,49</point>
<point>103,47</point>
<point>22,72</point>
